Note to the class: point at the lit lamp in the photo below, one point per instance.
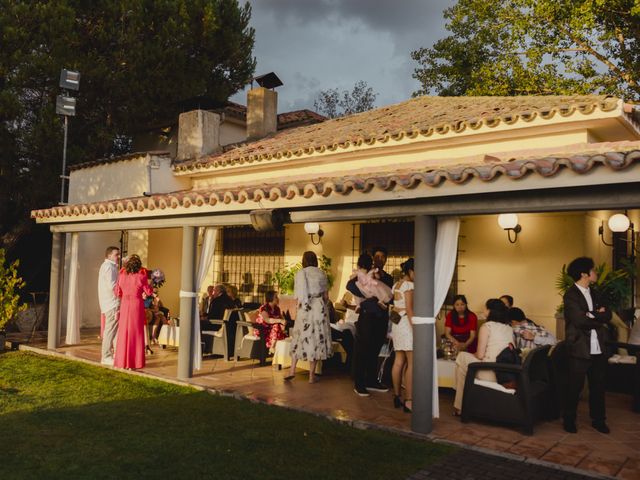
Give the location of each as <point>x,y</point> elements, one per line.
<point>314,229</point>
<point>618,223</point>
<point>509,222</point>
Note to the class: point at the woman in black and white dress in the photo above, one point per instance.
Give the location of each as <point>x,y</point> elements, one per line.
<point>311,335</point>
<point>402,335</point>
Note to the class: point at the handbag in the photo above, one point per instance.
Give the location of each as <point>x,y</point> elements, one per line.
<point>394,316</point>
<point>511,355</point>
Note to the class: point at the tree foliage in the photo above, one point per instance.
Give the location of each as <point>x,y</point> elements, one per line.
<point>522,47</point>
<point>138,60</point>
<point>10,284</point>
<point>333,103</point>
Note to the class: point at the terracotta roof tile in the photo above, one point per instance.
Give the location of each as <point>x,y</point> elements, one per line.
<point>422,116</point>
<point>614,156</point>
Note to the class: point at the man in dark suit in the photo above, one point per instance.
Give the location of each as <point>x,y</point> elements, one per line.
<point>218,303</point>
<point>585,319</point>
<point>371,327</point>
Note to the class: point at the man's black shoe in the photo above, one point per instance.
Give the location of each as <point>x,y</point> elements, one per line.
<point>569,426</point>
<point>361,391</point>
<point>601,427</point>
<point>377,387</point>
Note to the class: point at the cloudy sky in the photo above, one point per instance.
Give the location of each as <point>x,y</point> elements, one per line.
<point>317,44</point>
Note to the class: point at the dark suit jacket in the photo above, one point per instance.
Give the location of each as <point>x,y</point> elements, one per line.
<point>218,305</point>
<point>578,325</point>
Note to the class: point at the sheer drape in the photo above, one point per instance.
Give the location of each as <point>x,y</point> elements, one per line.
<point>206,256</point>
<point>73,300</point>
<point>446,254</point>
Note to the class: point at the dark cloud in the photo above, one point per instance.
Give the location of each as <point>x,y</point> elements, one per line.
<point>319,44</point>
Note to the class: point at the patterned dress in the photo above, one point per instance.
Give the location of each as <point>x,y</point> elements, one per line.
<point>311,335</point>
<point>269,332</point>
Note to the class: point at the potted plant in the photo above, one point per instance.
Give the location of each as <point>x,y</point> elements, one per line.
<point>613,286</point>
<point>285,277</point>
<point>10,304</point>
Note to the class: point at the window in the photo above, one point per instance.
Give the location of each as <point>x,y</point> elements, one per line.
<point>249,261</point>
<point>398,238</point>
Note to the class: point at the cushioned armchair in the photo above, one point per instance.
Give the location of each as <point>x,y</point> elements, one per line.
<point>531,400</point>
<point>623,372</point>
<point>247,344</point>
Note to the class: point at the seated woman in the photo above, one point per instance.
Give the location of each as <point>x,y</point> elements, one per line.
<point>461,325</point>
<point>156,315</point>
<point>232,292</point>
<point>493,337</point>
<point>270,321</point>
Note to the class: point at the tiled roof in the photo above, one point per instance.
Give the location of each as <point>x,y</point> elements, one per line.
<point>612,156</point>
<point>119,158</point>
<point>418,117</point>
<point>295,118</point>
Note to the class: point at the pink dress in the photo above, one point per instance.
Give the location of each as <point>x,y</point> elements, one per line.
<point>130,342</point>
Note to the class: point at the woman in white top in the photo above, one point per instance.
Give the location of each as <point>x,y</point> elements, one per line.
<point>311,334</point>
<point>402,335</point>
<point>493,337</point>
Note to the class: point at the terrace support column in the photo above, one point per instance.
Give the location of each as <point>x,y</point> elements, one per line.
<point>424,323</point>
<point>56,285</point>
<point>187,303</point>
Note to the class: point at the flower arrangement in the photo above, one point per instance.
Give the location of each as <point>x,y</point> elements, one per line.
<point>157,278</point>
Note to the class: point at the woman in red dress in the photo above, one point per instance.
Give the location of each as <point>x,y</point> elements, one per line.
<point>132,285</point>
<point>461,326</point>
<point>270,321</point>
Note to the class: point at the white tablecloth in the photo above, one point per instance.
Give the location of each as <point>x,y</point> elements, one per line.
<point>282,356</point>
<point>169,335</point>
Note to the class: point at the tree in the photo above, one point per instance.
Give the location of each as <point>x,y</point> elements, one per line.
<point>333,103</point>
<point>138,61</point>
<point>10,284</point>
<point>522,47</point>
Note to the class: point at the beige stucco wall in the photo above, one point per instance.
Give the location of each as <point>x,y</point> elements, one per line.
<point>165,252</point>
<point>335,244</point>
<point>123,179</point>
<point>490,266</point>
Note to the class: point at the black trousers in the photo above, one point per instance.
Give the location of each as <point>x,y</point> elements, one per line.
<point>371,332</point>
<point>594,369</point>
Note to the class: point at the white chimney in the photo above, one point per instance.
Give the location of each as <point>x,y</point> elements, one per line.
<point>262,112</point>
<point>198,134</point>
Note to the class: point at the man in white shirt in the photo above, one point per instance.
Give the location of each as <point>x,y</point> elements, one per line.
<point>586,319</point>
<point>109,302</point>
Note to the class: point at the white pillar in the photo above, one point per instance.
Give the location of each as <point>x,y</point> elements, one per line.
<point>187,303</point>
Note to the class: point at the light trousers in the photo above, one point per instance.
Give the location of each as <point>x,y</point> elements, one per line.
<point>109,334</point>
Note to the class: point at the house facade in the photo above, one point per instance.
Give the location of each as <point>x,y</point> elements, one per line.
<point>564,164</point>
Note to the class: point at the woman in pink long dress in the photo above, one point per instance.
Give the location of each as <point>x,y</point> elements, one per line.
<point>132,283</point>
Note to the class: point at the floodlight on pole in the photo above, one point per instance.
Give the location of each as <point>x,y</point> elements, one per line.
<point>69,80</point>
<point>66,106</point>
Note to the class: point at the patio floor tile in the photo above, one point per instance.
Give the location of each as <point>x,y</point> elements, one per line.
<point>617,454</point>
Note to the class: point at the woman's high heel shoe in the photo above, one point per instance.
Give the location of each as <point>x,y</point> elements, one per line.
<point>405,408</point>
<point>148,350</point>
<point>397,402</point>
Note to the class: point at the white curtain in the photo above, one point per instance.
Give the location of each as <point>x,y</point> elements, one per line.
<point>446,253</point>
<point>73,299</point>
<point>206,256</point>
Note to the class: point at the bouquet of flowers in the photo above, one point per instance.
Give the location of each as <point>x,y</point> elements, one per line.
<point>157,278</point>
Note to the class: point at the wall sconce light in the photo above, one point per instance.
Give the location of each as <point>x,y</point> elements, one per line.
<point>314,229</point>
<point>619,223</point>
<point>509,222</point>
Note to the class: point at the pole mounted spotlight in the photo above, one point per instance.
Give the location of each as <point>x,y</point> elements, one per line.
<point>66,106</point>
<point>69,80</point>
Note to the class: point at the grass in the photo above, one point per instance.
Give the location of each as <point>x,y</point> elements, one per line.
<point>64,419</point>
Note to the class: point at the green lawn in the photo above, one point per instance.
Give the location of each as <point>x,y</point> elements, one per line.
<point>64,419</point>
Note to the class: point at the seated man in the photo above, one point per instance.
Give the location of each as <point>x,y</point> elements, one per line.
<point>527,334</point>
